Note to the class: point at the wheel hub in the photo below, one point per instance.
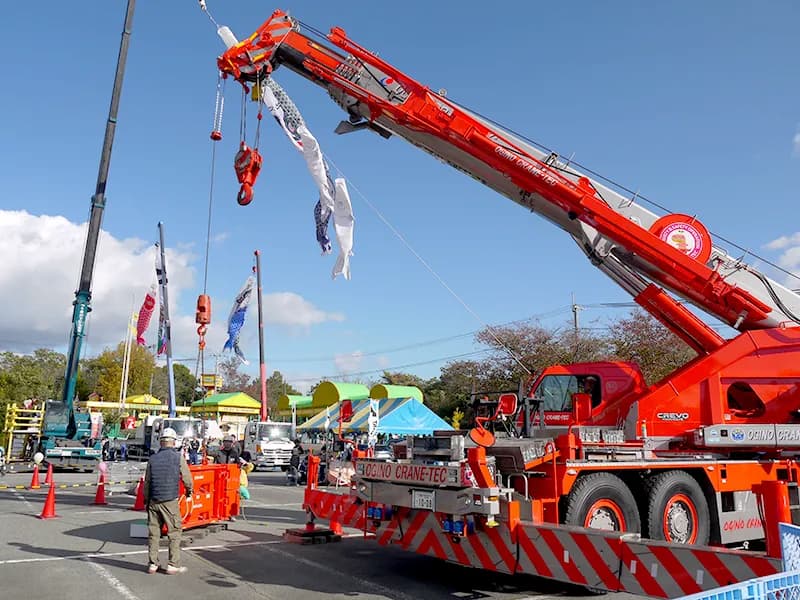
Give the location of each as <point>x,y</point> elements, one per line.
<point>678,523</point>
<point>603,518</point>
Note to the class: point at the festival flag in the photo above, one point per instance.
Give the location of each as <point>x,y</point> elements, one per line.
<point>144,314</point>
<point>236,318</point>
<point>334,200</point>
<point>161,342</point>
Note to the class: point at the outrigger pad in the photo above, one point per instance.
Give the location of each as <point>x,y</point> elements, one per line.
<point>482,437</point>
<point>317,536</point>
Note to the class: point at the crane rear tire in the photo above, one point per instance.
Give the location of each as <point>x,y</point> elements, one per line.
<point>677,510</point>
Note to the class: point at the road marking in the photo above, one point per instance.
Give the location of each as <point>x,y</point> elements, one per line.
<point>24,499</point>
<point>115,583</point>
<point>95,512</point>
<point>16,561</point>
<point>369,585</point>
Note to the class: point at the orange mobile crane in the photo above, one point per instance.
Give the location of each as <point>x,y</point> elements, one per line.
<point>683,460</point>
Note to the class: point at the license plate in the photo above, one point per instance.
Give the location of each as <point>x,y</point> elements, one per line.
<point>423,499</point>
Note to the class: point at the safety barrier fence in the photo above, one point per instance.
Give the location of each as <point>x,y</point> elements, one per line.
<point>62,486</point>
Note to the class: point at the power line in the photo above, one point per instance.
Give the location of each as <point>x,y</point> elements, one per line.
<point>432,342</point>
<point>394,368</point>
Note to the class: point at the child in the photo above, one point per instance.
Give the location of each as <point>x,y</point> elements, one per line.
<point>247,467</point>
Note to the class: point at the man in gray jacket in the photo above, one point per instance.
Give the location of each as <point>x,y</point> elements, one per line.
<point>161,491</point>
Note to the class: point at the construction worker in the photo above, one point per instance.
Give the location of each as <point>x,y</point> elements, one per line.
<point>161,491</point>
<point>229,452</point>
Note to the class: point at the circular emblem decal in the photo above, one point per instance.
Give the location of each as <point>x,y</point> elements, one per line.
<point>684,233</point>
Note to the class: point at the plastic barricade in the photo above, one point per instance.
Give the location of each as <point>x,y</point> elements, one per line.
<point>781,586</point>
<point>215,498</point>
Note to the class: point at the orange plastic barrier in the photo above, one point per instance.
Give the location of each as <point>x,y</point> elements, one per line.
<point>215,498</point>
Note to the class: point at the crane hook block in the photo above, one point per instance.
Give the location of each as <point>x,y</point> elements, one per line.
<point>203,314</point>
<point>247,164</point>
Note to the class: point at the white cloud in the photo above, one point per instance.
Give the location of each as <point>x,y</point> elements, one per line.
<point>39,274</point>
<point>288,308</point>
<point>383,361</point>
<point>790,259</point>
<point>784,241</point>
<point>796,143</point>
<point>348,363</point>
<point>220,237</point>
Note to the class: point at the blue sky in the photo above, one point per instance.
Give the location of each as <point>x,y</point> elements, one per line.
<point>694,104</point>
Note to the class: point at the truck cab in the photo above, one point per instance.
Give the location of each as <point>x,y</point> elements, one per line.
<point>269,443</point>
<point>187,428</point>
<point>67,436</point>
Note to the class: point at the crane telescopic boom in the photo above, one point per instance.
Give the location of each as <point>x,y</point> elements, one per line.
<point>61,421</point>
<point>644,253</point>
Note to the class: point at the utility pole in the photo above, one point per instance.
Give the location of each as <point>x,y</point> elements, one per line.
<point>576,308</point>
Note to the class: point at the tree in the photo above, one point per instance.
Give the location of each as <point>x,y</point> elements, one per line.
<point>31,376</point>
<point>185,384</point>
<point>641,339</point>
<point>398,378</point>
<point>232,379</point>
<point>109,366</point>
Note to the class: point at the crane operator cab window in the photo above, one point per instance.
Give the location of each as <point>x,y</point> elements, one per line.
<point>555,391</point>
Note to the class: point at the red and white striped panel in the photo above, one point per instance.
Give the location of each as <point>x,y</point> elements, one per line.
<point>566,554</point>
<point>421,532</point>
<point>672,570</point>
<point>595,559</point>
<point>346,509</point>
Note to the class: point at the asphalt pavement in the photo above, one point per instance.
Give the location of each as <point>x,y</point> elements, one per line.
<point>87,552</point>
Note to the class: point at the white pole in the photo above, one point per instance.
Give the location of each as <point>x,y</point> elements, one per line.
<point>126,357</point>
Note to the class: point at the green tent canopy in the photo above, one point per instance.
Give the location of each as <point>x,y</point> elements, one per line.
<point>232,403</point>
<point>303,405</point>
<point>380,391</point>
<point>328,393</point>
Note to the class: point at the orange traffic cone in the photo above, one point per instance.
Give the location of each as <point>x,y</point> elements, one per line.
<point>49,478</point>
<point>100,495</point>
<point>139,503</point>
<point>35,479</point>
<point>49,510</point>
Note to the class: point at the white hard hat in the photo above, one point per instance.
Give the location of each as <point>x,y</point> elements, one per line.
<point>169,433</point>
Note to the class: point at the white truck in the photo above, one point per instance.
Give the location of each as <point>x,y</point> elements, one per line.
<point>269,443</point>
<point>145,439</point>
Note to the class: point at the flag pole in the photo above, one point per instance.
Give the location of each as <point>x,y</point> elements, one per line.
<point>162,281</point>
<point>262,365</point>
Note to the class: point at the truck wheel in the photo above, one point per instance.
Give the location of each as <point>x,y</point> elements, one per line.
<point>677,510</point>
<point>602,501</point>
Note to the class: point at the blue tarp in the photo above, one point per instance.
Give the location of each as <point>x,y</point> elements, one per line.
<point>400,416</point>
<point>412,418</point>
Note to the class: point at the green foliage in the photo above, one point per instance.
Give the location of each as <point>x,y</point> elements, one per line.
<point>185,384</point>
<point>641,339</point>
<point>31,376</point>
<point>107,369</point>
